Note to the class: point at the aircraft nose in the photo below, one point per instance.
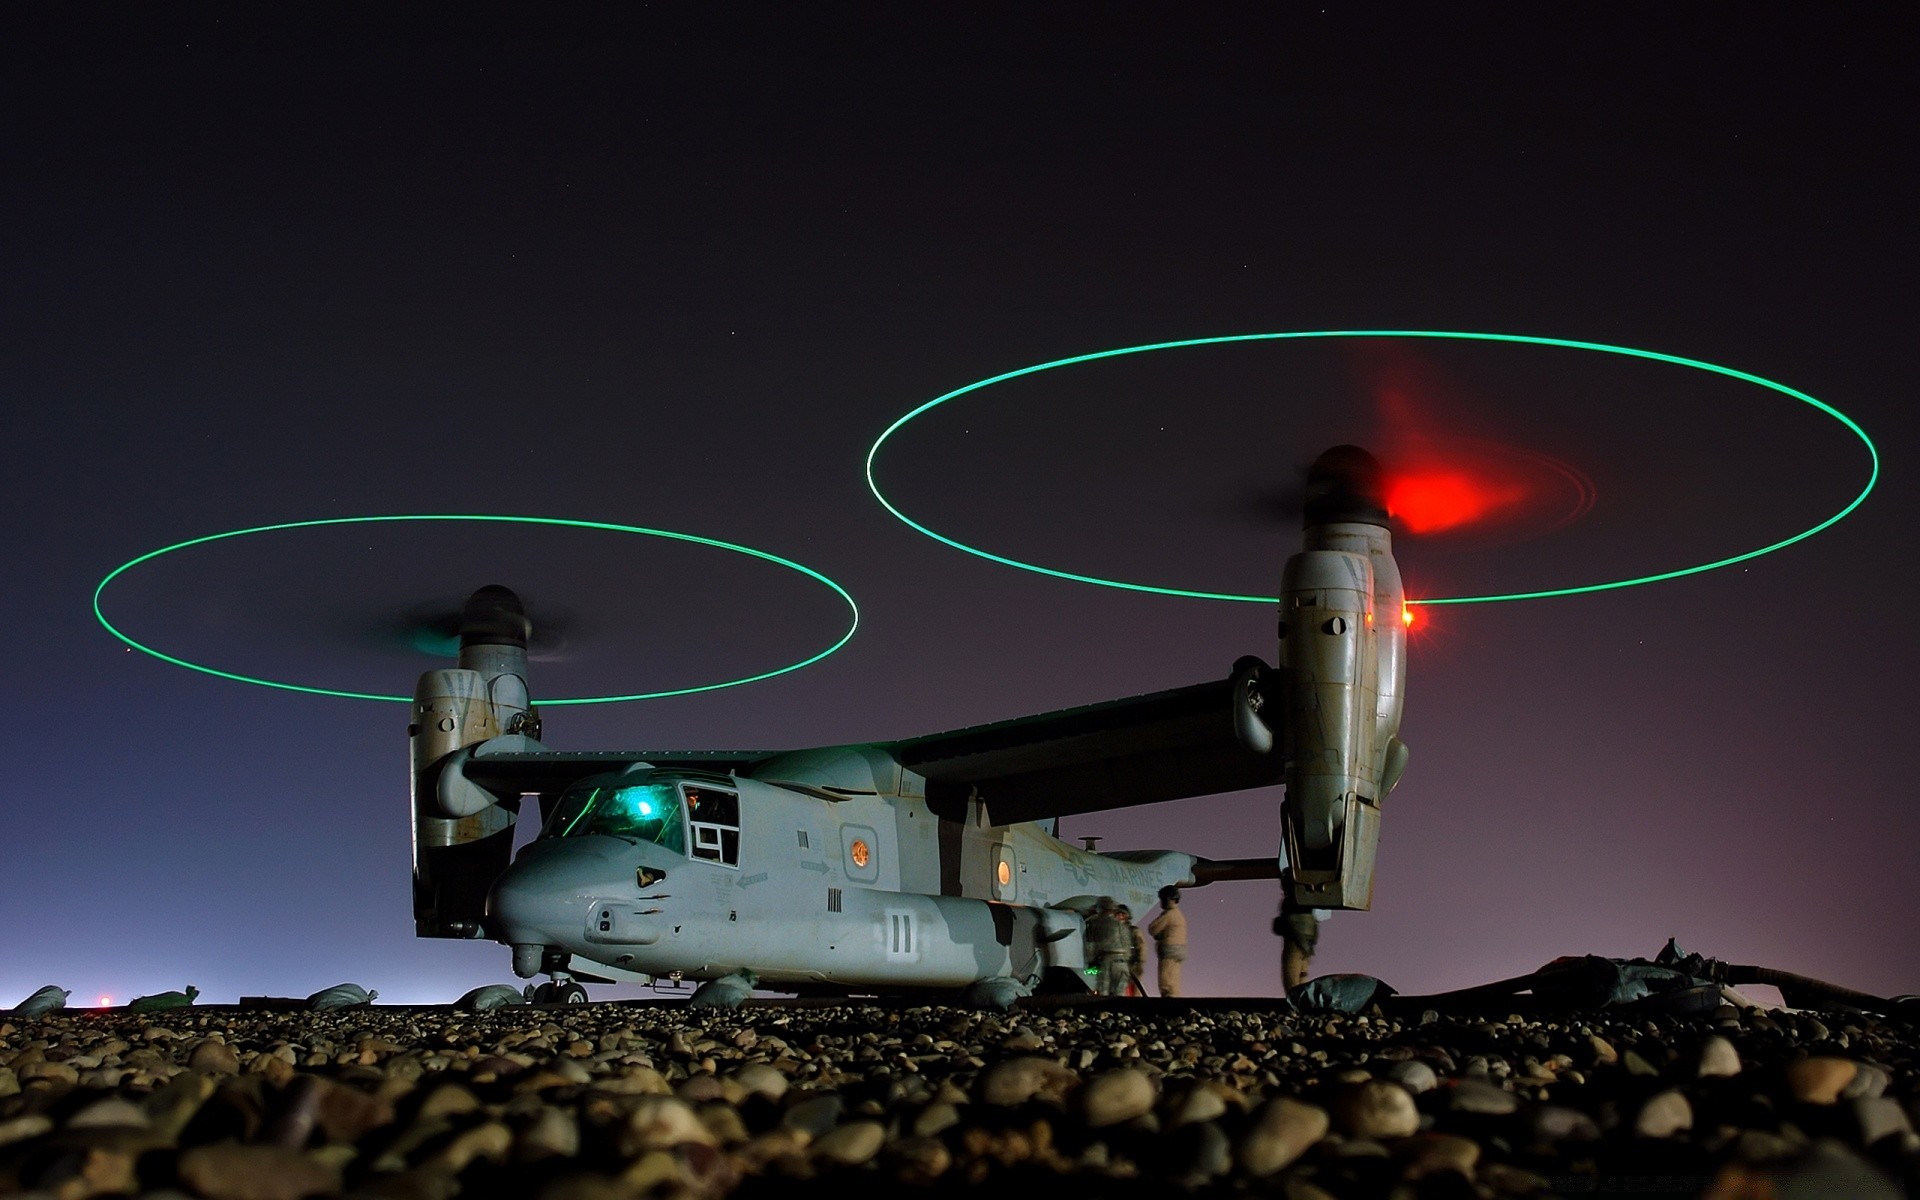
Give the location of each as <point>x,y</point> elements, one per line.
<point>543,898</point>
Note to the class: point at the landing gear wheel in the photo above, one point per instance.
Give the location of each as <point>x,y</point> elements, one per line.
<point>569,993</point>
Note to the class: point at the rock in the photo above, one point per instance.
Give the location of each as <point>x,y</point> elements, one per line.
<point>111,1112</point>
<point>553,1133</point>
<point>213,1057</point>
<point>1819,1080</point>
<point>1717,1059</point>
<point>1434,1153</point>
<point>1663,1115</point>
<point>815,1115</point>
<point>1478,1096</point>
<point>636,1081</point>
<point>1600,1051</point>
<point>1413,1075</point>
<point>1200,1152</point>
<point>1375,1109</point>
<point>1829,1168</point>
<point>1019,1080</point>
<point>918,1161</point>
<point>759,1079</point>
<point>1197,1106</point>
<point>935,1119</point>
<point>662,1122</point>
<point>851,1144</point>
<point>345,1113</point>
<point>228,1171</point>
<point>19,1129</point>
<point>52,1072</point>
<point>172,1106</point>
<point>1868,1081</point>
<point>1117,1096</point>
<point>1878,1116</point>
<point>489,1140</point>
<point>1551,1124</point>
<point>1281,1132</point>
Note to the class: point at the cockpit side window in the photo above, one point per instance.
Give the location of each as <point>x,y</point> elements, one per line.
<point>713,820</point>
<point>636,811</point>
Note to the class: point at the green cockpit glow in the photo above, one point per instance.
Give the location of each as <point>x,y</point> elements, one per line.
<point>1873,457</point>
<point>853,610</point>
<point>619,806</point>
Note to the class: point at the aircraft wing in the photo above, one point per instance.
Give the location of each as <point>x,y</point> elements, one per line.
<point>1161,746</point>
<point>550,771</point>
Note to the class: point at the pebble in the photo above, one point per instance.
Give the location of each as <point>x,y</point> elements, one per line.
<point>1282,1131</point>
<point>1415,1076</point>
<point>1375,1109</point>
<point>213,1057</point>
<point>1819,1080</point>
<point>1117,1096</point>
<point>851,1144</point>
<point>1717,1059</point>
<point>657,1100</point>
<point>226,1171</point>
<point>1663,1115</point>
<point>1018,1080</point>
<point>1477,1096</point>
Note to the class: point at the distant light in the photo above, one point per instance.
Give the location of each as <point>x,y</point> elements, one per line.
<point>106,1002</point>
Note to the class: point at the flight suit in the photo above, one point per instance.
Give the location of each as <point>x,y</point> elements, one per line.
<point>1169,932</point>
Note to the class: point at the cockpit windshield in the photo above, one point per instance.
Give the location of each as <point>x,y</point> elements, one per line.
<point>631,806</point>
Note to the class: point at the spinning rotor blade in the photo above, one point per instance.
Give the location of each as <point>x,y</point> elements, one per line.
<point>434,628</point>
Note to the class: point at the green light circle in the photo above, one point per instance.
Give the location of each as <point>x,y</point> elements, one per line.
<point>852,608</point>
<point>1626,351</point>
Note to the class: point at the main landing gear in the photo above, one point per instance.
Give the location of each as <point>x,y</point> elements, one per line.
<point>561,991</point>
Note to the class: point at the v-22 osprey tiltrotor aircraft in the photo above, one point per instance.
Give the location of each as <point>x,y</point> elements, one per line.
<point>927,863</point>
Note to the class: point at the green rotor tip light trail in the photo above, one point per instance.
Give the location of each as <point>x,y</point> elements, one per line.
<point>852,609</point>
<point>1873,455</point>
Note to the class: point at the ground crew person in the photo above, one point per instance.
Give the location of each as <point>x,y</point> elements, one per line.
<point>1136,953</point>
<point>1299,931</point>
<point>1108,946</point>
<point>1169,931</point>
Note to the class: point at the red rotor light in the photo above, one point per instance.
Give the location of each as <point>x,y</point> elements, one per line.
<point>1431,499</point>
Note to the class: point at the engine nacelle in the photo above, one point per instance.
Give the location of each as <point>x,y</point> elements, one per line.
<point>463,836</point>
<point>1343,669</point>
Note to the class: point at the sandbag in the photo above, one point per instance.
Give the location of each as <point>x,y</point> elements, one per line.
<point>725,992</point>
<point>492,995</point>
<point>340,995</point>
<point>1339,994</point>
<point>160,1000</point>
<point>47,999</point>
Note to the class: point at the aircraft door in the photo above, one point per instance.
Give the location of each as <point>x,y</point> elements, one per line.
<point>1006,873</point>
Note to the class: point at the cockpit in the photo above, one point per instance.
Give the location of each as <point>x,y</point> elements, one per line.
<point>684,815</point>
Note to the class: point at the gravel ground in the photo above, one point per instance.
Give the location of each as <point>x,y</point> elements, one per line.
<point>1123,1098</point>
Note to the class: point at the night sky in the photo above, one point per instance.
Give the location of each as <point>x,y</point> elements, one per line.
<point>678,267</point>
